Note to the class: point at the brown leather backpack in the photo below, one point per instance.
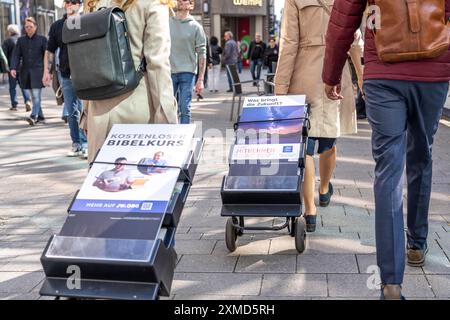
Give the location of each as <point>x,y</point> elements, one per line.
<point>410,29</point>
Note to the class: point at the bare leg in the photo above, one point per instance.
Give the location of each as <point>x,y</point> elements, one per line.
<point>309,186</point>
<point>327,164</point>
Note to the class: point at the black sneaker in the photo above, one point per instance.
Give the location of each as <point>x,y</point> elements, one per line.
<point>40,120</point>
<point>13,109</point>
<point>324,199</point>
<point>230,90</point>
<point>310,222</point>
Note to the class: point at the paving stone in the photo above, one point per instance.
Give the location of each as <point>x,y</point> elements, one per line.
<point>26,263</point>
<point>326,263</point>
<point>194,246</point>
<point>202,263</point>
<point>266,264</point>
<point>298,285</point>
<point>19,296</point>
<point>19,282</point>
<point>213,283</point>
<point>353,285</point>
<point>245,248</point>
<point>416,286</point>
<point>440,285</point>
<point>346,244</point>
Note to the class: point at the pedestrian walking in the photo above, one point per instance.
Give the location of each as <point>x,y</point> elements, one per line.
<point>302,52</point>
<point>30,50</point>
<point>215,65</point>
<point>405,89</point>
<point>8,48</point>
<point>188,54</point>
<point>230,55</point>
<point>240,58</point>
<point>271,55</point>
<point>152,101</point>
<point>256,55</point>
<point>72,103</point>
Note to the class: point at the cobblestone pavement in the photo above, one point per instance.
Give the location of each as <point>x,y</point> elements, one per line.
<point>38,182</point>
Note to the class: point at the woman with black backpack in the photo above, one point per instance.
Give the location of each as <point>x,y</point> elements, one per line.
<point>152,101</point>
<point>215,65</point>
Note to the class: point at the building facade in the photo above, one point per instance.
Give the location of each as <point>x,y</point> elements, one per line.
<point>16,11</point>
<point>242,17</point>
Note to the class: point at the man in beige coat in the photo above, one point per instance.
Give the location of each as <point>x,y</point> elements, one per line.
<point>152,101</point>
<point>299,70</point>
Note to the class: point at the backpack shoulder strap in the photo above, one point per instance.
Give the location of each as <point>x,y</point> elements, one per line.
<point>325,7</point>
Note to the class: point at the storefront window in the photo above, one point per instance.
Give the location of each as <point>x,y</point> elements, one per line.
<point>6,17</point>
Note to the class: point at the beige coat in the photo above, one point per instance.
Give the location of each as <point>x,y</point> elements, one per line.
<point>152,101</point>
<point>299,70</point>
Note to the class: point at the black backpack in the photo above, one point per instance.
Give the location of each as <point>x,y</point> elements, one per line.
<point>100,58</point>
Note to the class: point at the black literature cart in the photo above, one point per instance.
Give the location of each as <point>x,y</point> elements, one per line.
<point>119,254</point>
<point>266,168</point>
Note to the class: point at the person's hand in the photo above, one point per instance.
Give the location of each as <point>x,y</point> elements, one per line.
<point>361,88</point>
<point>199,86</point>
<point>333,92</point>
<point>47,78</point>
<point>13,73</point>
<point>210,65</point>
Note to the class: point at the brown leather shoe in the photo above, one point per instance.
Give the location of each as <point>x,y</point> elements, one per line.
<point>391,292</point>
<point>416,258</point>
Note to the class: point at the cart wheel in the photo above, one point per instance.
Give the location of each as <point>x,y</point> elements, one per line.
<point>300,234</point>
<point>230,235</point>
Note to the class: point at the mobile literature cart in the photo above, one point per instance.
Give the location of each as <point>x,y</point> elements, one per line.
<point>118,239</point>
<point>267,167</point>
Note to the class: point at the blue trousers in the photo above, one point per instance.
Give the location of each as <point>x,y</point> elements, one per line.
<point>404,116</point>
<point>255,68</point>
<point>13,82</point>
<point>183,85</point>
<point>74,108</point>
<point>36,97</point>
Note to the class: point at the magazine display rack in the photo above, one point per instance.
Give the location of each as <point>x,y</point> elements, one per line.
<point>266,167</point>
<point>118,239</point>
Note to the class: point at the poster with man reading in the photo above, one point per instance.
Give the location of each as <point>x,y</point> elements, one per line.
<point>136,169</point>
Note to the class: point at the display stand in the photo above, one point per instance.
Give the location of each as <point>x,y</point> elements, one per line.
<point>119,254</point>
<point>246,191</point>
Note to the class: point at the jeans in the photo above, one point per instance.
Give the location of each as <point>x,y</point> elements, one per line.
<point>255,68</point>
<point>239,66</point>
<point>183,84</point>
<point>13,82</point>
<point>74,108</point>
<point>404,116</point>
<point>36,110</point>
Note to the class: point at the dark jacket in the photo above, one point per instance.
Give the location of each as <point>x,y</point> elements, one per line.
<point>256,50</point>
<point>216,51</point>
<point>8,48</point>
<point>346,17</point>
<point>231,52</point>
<point>55,42</point>
<point>271,55</point>
<point>31,51</point>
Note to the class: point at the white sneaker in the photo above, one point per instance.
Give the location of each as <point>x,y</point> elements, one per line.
<point>75,152</point>
<point>84,154</point>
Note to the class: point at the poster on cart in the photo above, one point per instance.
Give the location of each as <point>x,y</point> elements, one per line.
<point>274,119</point>
<point>136,170</point>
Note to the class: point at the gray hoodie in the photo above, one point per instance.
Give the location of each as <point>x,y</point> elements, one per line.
<point>188,44</point>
